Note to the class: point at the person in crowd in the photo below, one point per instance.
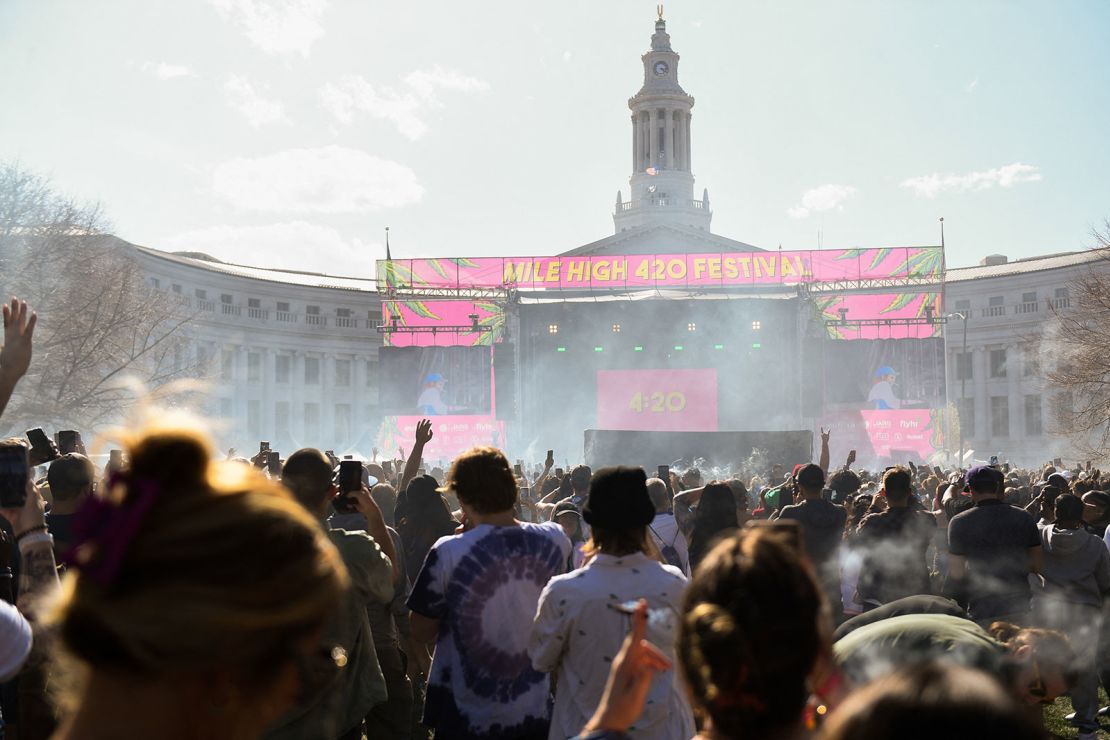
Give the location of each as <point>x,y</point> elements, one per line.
<point>894,544</point>
<point>714,518</point>
<point>392,719</point>
<point>1076,571</point>
<point>195,599</point>
<point>822,531</point>
<point>752,645</point>
<point>740,493</point>
<point>581,623</point>
<point>368,560</point>
<point>922,604</point>
<point>422,519</point>
<point>569,518</point>
<point>1096,512</point>
<point>385,496</point>
<point>844,484</point>
<point>72,479</point>
<point>474,600</point>
<point>928,701</point>
<point>992,548</point>
<point>1035,665</point>
<point>580,484</point>
<point>664,527</point>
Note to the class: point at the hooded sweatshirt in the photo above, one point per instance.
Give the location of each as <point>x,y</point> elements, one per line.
<point>1076,565</point>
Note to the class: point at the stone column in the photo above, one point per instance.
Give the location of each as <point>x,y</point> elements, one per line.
<point>682,141</point>
<point>267,421</point>
<point>635,144</point>
<point>689,142</point>
<point>296,399</point>
<point>668,141</point>
<point>327,398</point>
<point>1014,390</point>
<point>980,391</point>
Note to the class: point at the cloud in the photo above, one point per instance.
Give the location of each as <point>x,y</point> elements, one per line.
<point>293,245</point>
<point>930,186</point>
<point>166,71</point>
<point>425,82</point>
<point>276,26</point>
<point>407,108</point>
<point>353,94</point>
<point>822,198</point>
<point>258,110</point>
<point>329,179</point>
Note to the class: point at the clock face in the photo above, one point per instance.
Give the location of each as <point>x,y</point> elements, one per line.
<point>661,69</point>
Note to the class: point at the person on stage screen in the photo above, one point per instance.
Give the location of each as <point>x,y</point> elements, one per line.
<point>431,401</point>
<point>882,396</point>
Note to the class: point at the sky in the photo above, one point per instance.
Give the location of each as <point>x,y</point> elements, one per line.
<point>291,133</point>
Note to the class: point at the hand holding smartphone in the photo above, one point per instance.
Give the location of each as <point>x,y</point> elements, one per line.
<point>15,472</point>
<point>350,479</point>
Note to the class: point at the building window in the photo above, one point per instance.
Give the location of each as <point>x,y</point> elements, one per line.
<point>342,423</point>
<point>372,373</point>
<point>1000,416</point>
<point>156,283</point>
<point>283,307</point>
<point>963,305</point>
<point>227,365</point>
<point>176,288</point>
<point>312,310</point>
<point>254,419</point>
<point>312,371</point>
<point>343,313</point>
<point>225,298</point>
<point>343,373</point>
<point>312,423</point>
<point>1028,303</point>
<point>1033,416</point>
<point>254,303</point>
<point>201,294</point>
<point>282,365</point>
<point>963,365</point>
<point>254,367</point>
<point>996,306</point>
<point>998,363</point>
<point>312,316</point>
<point>1032,366</point>
<point>966,410</point>
<point>1061,299</point>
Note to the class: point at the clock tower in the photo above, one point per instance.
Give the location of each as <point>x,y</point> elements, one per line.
<point>662,182</point>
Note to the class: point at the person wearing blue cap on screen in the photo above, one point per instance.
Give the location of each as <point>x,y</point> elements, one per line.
<point>882,393</point>
<point>431,401</point>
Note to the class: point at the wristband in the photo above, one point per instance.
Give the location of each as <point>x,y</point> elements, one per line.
<point>37,538</point>
<point>24,533</point>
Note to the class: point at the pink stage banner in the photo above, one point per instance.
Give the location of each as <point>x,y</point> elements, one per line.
<point>887,436</point>
<point>451,435</point>
<point>657,400</point>
<point>663,270</point>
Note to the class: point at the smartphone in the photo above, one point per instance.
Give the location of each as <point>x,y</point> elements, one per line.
<point>15,471</point>
<point>525,494</point>
<point>938,472</point>
<point>273,463</point>
<point>550,457</point>
<point>387,466</point>
<point>994,461</point>
<point>1057,463</point>
<point>559,473</point>
<point>350,479</point>
<point>68,441</point>
<point>115,461</point>
<point>518,471</point>
<point>42,449</point>
<point>663,473</point>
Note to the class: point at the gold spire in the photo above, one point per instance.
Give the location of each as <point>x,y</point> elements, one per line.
<point>659,11</point>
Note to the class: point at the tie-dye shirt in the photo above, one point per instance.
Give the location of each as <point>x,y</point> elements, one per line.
<point>484,586</point>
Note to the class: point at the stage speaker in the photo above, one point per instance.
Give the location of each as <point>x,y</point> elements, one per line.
<point>504,379</point>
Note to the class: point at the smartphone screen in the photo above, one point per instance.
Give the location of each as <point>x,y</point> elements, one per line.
<point>273,463</point>
<point>350,476</point>
<point>663,473</point>
<point>68,441</point>
<point>387,466</point>
<point>14,473</point>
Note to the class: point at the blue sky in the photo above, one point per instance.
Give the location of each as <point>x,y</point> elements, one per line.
<point>291,132</point>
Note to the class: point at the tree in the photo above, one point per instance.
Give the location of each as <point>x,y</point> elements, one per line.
<point>101,325</point>
<point>1079,342</point>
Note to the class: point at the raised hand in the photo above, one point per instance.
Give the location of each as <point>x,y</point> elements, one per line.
<point>825,435</point>
<point>851,457</point>
<point>19,327</point>
<point>424,432</point>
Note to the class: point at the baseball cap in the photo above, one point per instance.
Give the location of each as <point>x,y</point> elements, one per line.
<point>811,476</point>
<point>982,475</point>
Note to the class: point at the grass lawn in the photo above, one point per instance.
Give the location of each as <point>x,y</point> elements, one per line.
<point>1054,715</point>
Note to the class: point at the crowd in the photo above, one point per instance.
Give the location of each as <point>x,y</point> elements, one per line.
<point>172,594</point>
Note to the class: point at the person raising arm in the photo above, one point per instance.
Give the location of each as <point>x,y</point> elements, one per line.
<point>15,355</point>
<point>424,435</point>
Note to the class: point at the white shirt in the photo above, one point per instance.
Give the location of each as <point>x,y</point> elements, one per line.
<point>664,530</point>
<point>577,633</point>
<point>882,395</point>
<point>15,641</point>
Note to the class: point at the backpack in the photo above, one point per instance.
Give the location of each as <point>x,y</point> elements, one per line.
<point>670,552</point>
